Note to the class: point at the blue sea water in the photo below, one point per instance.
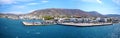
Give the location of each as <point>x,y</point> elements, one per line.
<point>15,29</point>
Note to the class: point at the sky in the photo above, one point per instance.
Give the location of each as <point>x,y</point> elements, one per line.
<point>27,6</point>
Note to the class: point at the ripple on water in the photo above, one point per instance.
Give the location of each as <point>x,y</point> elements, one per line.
<point>116,32</point>
<point>28,31</point>
<point>17,37</point>
<point>5,27</point>
<point>37,33</point>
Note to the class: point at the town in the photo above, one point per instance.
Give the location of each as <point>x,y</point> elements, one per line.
<point>71,20</point>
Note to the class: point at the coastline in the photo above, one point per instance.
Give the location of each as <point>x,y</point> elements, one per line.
<point>68,24</point>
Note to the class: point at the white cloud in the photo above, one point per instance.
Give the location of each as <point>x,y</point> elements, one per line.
<point>28,2</point>
<point>23,0</point>
<point>88,0</point>
<point>14,12</point>
<point>13,1</point>
<point>18,7</point>
<point>44,1</point>
<point>36,3</point>
<point>99,1</point>
<point>7,1</point>
<point>31,11</point>
<point>116,1</point>
<point>93,1</point>
<point>32,3</point>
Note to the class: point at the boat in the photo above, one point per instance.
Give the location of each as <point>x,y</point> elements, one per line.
<point>32,23</point>
<point>86,24</point>
<point>37,23</point>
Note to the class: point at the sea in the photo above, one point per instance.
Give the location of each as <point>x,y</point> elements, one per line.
<point>10,28</point>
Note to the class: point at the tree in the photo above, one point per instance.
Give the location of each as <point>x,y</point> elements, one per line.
<point>48,17</point>
<point>109,20</point>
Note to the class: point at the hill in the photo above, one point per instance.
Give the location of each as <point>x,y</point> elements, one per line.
<point>61,12</point>
<point>113,15</point>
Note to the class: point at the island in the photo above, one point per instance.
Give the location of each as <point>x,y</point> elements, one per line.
<point>75,17</point>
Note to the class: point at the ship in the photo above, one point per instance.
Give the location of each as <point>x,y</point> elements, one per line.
<point>85,24</point>
<point>38,23</point>
<point>32,23</point>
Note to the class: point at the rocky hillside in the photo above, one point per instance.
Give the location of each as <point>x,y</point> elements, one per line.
<point>95,14</point>
<point>113,15</point>
<point>63,12</point>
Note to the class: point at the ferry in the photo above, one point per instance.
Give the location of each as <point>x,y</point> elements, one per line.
<point>37,23</point>
<point>32,23</point>
<point>86,24</point>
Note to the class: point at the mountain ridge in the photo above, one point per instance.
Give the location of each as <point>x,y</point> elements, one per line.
<point>65,12</point>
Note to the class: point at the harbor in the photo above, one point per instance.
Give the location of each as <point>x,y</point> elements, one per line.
<point>73,22</point>
<point>59,18</point>
<point>19,30</point>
